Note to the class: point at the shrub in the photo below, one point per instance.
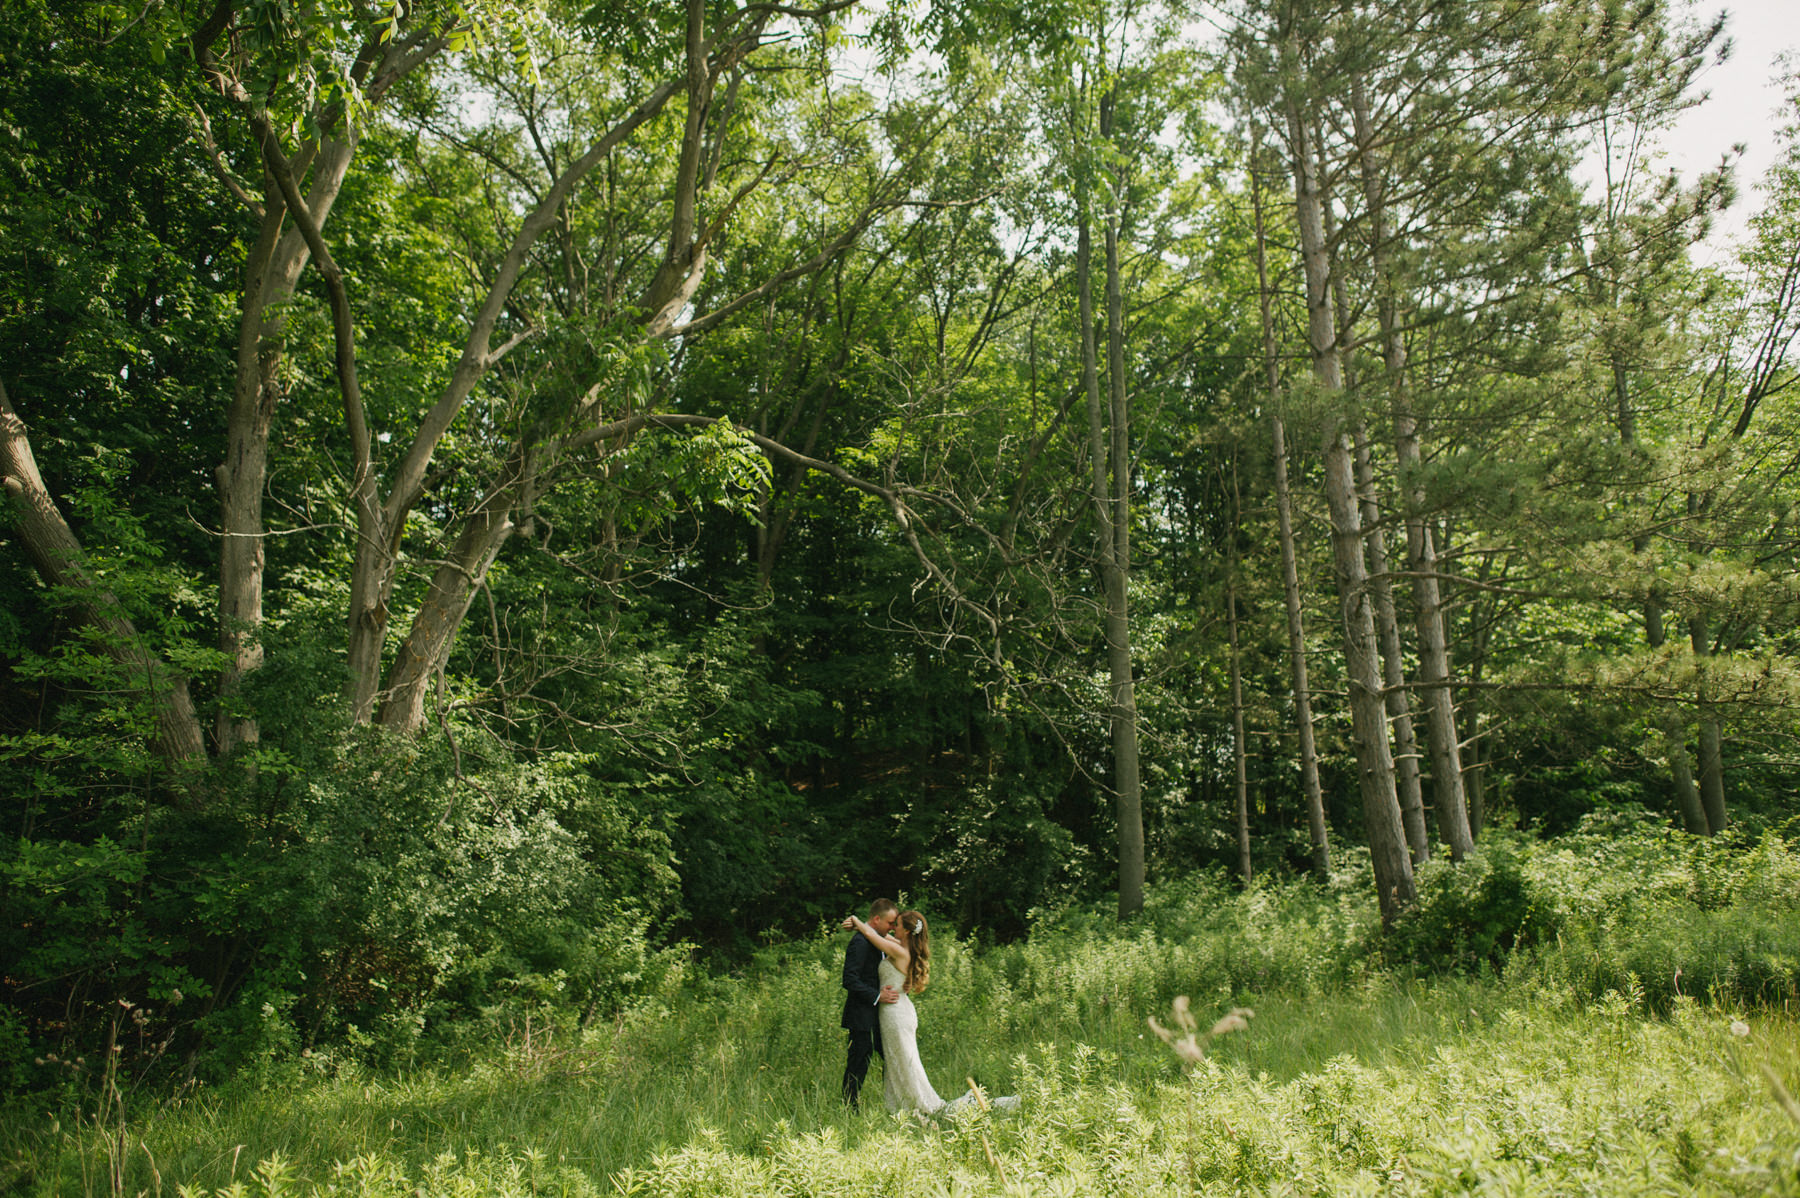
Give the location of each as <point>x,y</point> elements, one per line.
<point>1471,915</point>
<point>1628,903</point>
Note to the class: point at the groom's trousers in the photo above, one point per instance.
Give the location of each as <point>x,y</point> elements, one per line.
<point>863,1044</point>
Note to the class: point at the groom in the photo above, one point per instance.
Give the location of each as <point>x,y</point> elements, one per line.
<point>865,991</point>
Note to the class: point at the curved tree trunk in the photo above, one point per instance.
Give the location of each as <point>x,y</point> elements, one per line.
<point>433,630</point>
<point>271,274</point>
<point>176,735</point>
<point>380,522</point>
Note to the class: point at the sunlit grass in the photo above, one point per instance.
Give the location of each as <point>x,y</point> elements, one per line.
<point>1348,1080</point>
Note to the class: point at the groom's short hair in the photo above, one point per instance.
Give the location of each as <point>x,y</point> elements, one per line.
<point>882,907</point>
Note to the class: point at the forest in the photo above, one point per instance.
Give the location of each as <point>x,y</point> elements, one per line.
<point>522,514</point>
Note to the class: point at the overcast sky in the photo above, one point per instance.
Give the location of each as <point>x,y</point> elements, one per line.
<point>1743,105</point>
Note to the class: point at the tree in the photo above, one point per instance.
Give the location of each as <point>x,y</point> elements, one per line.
<point>1290,576</point>
<point>1280,56</point>
<point>1374,758</point>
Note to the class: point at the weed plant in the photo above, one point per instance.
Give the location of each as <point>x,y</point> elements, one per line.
<point>1551,1066</point>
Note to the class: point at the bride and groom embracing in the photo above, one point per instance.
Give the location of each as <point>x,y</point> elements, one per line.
<point>888,960</point>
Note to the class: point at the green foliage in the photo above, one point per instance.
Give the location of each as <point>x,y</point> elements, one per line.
<point>998,856</point>
<point>1349,1079</point>
<point>1203,934</point>
<point>471,1174</point>
<point>703,697</point>
<point>117,260</point>
<point>1471,915</point>
<point>358,895</point>
<point>1636,906</point>
<point>1624,903</point>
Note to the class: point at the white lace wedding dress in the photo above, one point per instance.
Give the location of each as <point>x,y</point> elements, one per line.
<point>905,1085</point>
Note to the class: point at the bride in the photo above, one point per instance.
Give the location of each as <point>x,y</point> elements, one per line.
<point>906,966</point>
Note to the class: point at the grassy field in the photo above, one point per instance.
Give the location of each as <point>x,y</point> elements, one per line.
<point>1351,1078</point>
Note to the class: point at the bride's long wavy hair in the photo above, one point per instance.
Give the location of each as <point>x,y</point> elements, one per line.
<point>918,946</point>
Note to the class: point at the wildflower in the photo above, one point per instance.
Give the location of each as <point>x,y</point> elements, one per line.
<point>1237,1020</point>
<point>1185,1047</point>
<point>1739,1028</point>
<point>1187,1044</point>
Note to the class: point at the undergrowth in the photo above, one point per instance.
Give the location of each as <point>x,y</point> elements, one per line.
<point>1615,1014</point>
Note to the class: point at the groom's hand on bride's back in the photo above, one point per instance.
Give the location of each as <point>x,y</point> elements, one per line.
<point>889,994</point>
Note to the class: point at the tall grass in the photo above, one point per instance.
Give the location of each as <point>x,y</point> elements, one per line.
<point>1537,1071</point>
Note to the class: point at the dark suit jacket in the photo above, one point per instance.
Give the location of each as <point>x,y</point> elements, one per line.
<point>861,960</point>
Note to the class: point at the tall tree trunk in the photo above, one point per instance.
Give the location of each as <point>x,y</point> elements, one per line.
<point>1317,828</point>
<point>1105,452</point>
<point>271,273</point>
<point>1239,748</point>
<point>433,630</point>
<point>1126,777</point>
<point>1474,733</point>
<point>1681,766</point>
<point>1712,759</point>
<point>241,475</point>
<point>1407,786</point>
<point>1428,611</point>
<point>1368,715</point>
<point>1448,793</point>
<point>176,735</point>
<point>1290,573</point>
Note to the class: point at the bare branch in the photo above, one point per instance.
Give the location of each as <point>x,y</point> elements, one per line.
<point>343,322</point>
<point>217,161</point>
<point>476,355</point>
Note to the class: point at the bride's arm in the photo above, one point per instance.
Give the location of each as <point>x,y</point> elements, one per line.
<point>892,949</point>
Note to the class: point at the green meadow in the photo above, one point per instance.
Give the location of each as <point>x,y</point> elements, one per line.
<point>1276,525</point>
<point>1574,1059</point>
